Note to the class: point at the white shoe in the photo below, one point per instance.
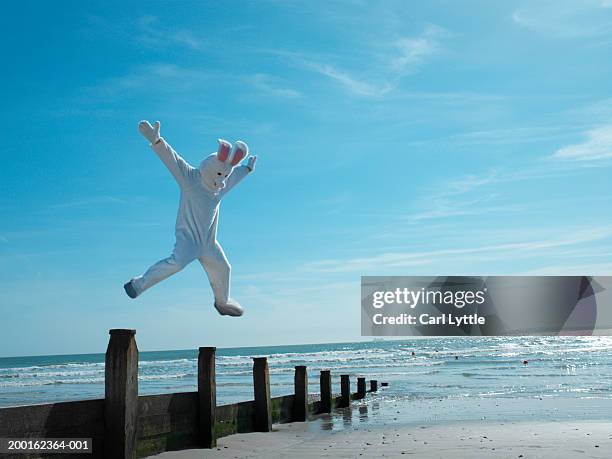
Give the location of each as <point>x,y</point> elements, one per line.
<point>231,308</point>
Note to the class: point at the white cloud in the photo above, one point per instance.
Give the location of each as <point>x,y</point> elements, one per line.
<point>406,56</point>
<point>394,260</point>
<point>507,136</point>
<point>591,269</point>
<point>152,31</point>
<point>599,109</point>
<point>471,182</point>
<point>445,203</point>
<point>462,209</point>
<point>596,147</point>
<point>159,78</point>
<point>266,85</point>
<point>146,30</point>
<point>91,201</point>
<point>414,51</point>
<point>565,18</point>
<point>336,199</point>
<point>348,81</point>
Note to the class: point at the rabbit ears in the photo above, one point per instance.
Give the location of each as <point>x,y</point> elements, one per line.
<point>240,151</point>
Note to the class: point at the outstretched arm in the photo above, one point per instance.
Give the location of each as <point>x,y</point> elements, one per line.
<point>237,175</point>
<point>179,168</point>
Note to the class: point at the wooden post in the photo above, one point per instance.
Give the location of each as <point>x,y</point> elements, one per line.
<point>373,385</point>
<point>345,389</point>
<point>261,386</point>
<point>120,395</point>
<point>326,391</point>
<point>361,388</point>
<point>207,396</point>
<point>300,399</point>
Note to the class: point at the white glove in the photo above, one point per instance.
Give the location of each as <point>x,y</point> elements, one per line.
<point>151,133</point>
<point>251,163</point>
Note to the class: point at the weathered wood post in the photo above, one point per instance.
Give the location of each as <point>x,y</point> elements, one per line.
<point>373,385</point>
<point>261,386</point>
<point>120,395</point>
<point>300,399</point>
<point>326,391</point>
<point>361,388</point>
<point>345,390</point>
<point>207,396</point>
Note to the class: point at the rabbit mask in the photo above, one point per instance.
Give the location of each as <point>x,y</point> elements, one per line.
<point>217,167</point>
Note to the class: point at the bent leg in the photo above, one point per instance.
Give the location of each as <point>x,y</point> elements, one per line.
<point>219,270</point>
<point>162,270</point>
<point>156,273</point>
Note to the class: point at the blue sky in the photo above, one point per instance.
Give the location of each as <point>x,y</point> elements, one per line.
<point>422,138</point>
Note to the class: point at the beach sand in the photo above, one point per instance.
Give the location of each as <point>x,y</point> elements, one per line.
<point>457,440</point>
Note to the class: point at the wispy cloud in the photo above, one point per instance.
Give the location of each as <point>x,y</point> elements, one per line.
<point>596,147</point>
<point>349,82</point>
<point>334,204</point>
<point>506,136</point>
<point>566,18</point>
<point>447,209</point>
<point>450,202</point>
<point>471,182</point>
<point>158,81</point>
<point>268,86</point>
<point>414,51</point>
<point>394,260</point>
<point>147,30</point>
<point>159,77</point>
<point>405,56</point>
<point>336,199</point>
<point>600,109</point>
<point>590,269</point>
<point>151,31</point>
<point>90,202</point>
<point>480,194</point>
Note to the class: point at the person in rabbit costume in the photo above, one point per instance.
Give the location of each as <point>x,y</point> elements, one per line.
<point>196,223</point>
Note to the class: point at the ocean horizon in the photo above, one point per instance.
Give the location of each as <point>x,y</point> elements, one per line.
<point>479,377</point>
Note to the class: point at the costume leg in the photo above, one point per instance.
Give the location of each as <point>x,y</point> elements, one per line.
<point>181,257</point>
<point>218,270</point>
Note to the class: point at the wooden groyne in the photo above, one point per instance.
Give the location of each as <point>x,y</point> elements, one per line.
<point>126,425</point>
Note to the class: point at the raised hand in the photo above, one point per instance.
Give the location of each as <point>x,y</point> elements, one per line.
<point>151,133</point>
<point>251,163</point>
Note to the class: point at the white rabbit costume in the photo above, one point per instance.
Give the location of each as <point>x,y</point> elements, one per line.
<point>196,223</point>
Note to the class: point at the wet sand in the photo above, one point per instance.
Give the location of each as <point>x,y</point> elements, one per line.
<point>458,440</point>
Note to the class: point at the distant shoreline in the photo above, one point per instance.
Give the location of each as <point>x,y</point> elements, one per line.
<point>428,368</point>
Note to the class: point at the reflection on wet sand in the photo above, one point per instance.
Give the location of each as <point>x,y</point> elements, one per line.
<point>387,408</point>
<point>363,413</point>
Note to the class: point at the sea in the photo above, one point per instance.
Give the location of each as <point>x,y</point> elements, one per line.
<point>429,379</point>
